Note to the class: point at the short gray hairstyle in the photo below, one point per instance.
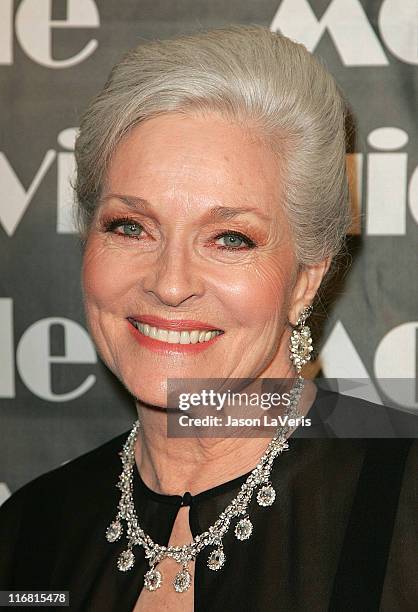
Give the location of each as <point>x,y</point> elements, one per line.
<point>249,74</point>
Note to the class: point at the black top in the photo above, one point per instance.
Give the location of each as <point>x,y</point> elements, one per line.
<point>342,533</point>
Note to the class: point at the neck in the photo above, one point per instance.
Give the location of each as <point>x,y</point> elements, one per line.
<point>172,466</point>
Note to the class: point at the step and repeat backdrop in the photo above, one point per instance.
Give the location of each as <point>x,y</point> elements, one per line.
<point>57,399</point>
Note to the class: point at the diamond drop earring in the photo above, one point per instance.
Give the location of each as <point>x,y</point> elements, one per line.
<point>301,341</point>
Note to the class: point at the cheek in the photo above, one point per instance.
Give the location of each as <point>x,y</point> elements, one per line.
<point>259,295</point>
<point>102,275</point>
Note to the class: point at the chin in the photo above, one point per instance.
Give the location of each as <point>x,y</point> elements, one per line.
<point>146,391</point>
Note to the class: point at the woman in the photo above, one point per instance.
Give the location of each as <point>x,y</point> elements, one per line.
<point>212,199</point>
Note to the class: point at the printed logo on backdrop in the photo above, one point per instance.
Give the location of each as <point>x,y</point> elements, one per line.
<point>33,25</point>
<point>33,359</point>
<point>15,199</point>
<point>4,492</point>
<point>383,190</point>
<point>349,27</point>
<point>388,192</point>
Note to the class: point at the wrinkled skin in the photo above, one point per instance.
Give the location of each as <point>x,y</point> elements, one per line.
<point>177,267</point>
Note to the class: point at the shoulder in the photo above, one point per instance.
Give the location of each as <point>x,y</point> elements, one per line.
<point>400,590</point>
<point>329,463</point>
<point>51,512</point>
<point>345,416</point>
<point>81,476</point>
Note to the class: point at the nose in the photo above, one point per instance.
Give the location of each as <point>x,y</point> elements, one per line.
<point>172,279</point>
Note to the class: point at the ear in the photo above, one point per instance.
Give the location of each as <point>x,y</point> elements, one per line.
<point>307,284</point>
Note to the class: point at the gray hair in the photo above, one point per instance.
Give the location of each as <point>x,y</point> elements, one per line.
<point>247,73</point>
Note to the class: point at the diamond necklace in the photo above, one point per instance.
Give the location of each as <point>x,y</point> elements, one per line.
<point>259,477</point>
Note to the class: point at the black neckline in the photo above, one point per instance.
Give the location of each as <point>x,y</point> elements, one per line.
<point>176,500</point>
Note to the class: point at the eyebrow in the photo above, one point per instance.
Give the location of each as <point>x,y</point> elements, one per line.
<point>222,213</point>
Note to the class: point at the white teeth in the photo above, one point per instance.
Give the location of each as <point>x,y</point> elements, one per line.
<point>162,334</point>
<point>194,337</point>
<point>184,337</point>
<point>175,337</point>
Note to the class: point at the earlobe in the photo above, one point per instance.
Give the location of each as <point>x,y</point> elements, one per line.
<point>306,287</point>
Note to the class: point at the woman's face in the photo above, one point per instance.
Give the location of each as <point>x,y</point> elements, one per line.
<point>190,237</point>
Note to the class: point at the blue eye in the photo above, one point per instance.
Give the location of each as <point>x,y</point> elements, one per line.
<point>234,241</point>
<point>124,227</point>
<point>131,229</point>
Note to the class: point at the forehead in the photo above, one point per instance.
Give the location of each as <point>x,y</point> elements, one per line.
<point>199,159</point>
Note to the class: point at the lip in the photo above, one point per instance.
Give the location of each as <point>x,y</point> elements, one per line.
<point>166,347</point>
<point>180,324</point>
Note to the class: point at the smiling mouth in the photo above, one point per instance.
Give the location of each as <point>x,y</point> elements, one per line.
<point>193,336</point>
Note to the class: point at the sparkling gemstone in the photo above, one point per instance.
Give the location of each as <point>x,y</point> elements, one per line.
<point>152,580</point>
<point>126,560</point>
<point>114,531</point>
<point>182,580</point>
<point>243,529</point>
<point>216,559</point>
<point>266,495</point>
<point>152,556</point>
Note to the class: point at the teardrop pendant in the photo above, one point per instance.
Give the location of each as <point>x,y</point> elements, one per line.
<point>243,529</point>
<point>216,559</point>
<point>126,560</point>
<point>266,495</point>
<point>182,580</point>
<point>152,580</point>
<point>114,531</point>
